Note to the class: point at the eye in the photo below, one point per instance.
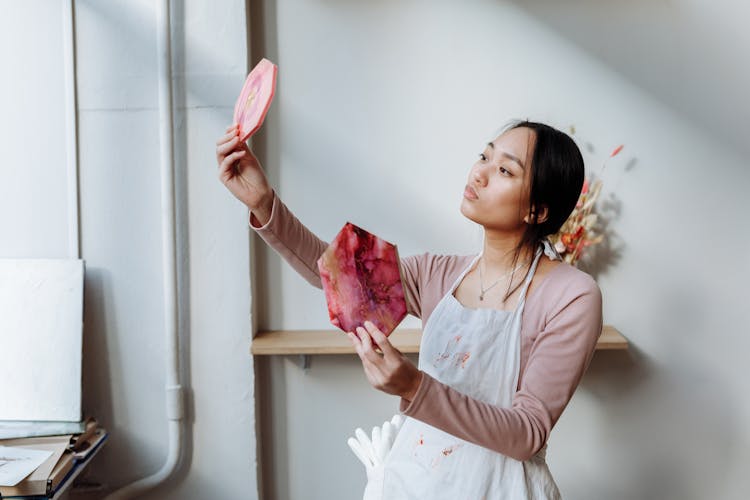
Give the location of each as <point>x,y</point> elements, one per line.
<point>505,171</point>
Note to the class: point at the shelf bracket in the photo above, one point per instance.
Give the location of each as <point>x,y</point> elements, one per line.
<point>305,362</point>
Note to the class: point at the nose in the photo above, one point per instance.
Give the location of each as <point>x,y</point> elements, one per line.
<point>479,176</point>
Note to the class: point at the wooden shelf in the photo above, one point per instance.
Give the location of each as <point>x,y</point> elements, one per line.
<point>404,339</point>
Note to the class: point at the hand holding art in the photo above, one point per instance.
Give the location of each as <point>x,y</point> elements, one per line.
<point>241,172</point>
<point>391,371</point>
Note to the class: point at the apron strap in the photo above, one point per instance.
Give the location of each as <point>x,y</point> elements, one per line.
<point>461,276</point>
<point>522,298</point>
<point>529,277</point>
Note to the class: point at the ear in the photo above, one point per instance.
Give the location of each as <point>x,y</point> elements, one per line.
<point>542,216</point>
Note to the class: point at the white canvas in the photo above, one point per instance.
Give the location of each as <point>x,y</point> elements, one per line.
<point>41,327</point>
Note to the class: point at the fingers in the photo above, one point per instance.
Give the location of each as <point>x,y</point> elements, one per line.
<point>397,421</point>
<point>365,443</point>
<point>377,444</point>
<point>355,341</point>
<point>226,147</point>
<point>376,438</point>
<point>359,452</point>
<point>231,131</point>
<point>244,147</point>
<point>365,338</point>
<point>386,441</point>
<point>229,161</point>
<point>228,143</point>
<point>225,138</point>
<point>381,340</point>
<point>390,372</point>
<point>357,345</point>
<point>368,351</point>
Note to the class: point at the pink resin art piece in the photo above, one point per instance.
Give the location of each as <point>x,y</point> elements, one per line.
<point>362,281</point>
<point>255,98</point>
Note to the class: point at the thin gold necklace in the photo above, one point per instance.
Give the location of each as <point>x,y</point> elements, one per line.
<point>481,284</point>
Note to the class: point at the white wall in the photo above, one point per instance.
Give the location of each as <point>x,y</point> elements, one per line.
<point>381,106</point>
<point>684,51</point>
<point>33,203</point>
<point>121,226</point>
<point>381,109</point>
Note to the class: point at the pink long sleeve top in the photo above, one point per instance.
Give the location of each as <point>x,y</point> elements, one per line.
<point>560,326</point>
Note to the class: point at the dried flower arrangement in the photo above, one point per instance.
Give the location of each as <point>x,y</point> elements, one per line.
<point>579,230</point>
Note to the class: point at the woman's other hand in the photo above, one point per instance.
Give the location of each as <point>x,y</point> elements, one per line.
<point>241,172</point>
<point>391,371</point>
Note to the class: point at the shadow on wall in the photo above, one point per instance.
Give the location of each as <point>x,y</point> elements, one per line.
<point>683,53</point>
<point>605,255</point>
<point>97,368</point>
<point>657,422</point>
<point>598,259</point>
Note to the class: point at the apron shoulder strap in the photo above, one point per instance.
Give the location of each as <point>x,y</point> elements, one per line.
<point>529,277</point>
<point>463,273</point>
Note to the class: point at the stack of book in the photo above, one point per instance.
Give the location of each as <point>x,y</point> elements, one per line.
<point>67,452</point>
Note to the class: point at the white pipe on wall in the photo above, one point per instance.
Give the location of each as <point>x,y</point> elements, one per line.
<point>174,393</point>
<point>71,128</point>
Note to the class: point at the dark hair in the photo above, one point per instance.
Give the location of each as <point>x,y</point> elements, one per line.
<point>555,181</point>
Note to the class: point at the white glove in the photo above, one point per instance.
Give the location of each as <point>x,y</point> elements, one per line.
<point>373,451</point>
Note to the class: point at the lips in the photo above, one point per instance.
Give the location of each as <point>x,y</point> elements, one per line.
<point>470,194</point>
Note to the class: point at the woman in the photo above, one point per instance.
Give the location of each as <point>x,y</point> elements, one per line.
<point>507,334</point>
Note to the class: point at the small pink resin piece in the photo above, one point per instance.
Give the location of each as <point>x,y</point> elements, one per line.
<point>255,98</point>
<point>362,281</point>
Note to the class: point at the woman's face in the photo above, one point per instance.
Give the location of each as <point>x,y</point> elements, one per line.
<point>496,195</point>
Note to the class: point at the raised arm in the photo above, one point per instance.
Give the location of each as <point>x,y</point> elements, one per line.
<point>243,175</point>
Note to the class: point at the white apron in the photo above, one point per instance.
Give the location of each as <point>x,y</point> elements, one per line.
<point>477,352</point>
